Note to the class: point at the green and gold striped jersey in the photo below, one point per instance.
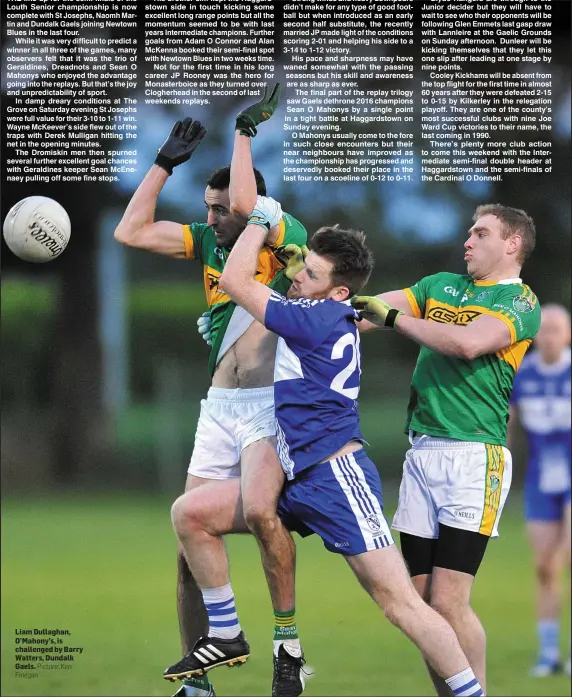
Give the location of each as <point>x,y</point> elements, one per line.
<point>200,244</point>
<point>461,399</point>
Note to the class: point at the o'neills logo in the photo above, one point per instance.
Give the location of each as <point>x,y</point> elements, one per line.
<point>40,230</point>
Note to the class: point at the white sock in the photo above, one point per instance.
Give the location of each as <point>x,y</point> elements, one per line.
<point>465,684</point>
<point>291,645</point>
<point>223,620</point>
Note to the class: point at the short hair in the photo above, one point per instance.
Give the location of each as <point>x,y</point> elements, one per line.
<point>220,179</point>
<point>514,222</point>
<point>352,260</point>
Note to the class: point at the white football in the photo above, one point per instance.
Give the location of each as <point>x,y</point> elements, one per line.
<point>37,229</point>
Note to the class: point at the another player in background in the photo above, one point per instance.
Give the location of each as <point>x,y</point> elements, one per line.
<point>474,330</point>
<point>540,400</point>
<point>235,437</point>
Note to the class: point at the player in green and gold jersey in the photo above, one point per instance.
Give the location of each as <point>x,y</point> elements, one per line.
<point>235,435</point>
<point>474,330</point>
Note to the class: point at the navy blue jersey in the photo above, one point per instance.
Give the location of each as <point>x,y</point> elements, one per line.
<point>541,394</point>
<point>316,378</point>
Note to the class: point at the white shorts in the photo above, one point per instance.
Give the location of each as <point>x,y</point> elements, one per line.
<point>456,483</point>
<point>230,420</point>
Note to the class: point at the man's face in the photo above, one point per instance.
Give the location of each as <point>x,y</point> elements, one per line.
<point>227,226</point>
<point>315,280</point>
<point>554,334</point>
<point>485,250</point>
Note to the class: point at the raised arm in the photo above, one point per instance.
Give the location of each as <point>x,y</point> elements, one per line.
<point>137,227</point>
<point>237,279</point>
<point>242,189</point>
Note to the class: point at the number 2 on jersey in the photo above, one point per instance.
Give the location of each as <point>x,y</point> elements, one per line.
<point>343,376</point>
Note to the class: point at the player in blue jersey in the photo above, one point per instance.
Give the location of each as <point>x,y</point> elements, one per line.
<point>541,402</point>
<point>333,489</point>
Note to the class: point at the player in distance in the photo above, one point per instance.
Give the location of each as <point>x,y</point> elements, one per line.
<point>474,330</point>
<point>235,438</point>
<point>540,400</point>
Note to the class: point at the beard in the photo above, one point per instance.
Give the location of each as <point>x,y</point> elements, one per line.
<point>226,239</point>
<point>295,293</point>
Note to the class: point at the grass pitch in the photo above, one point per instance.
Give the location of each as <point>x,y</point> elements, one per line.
<point>104,569</point>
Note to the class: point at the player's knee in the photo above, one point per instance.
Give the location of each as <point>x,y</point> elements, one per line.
<point>546,571</point>
<point>185,515</point>
<point>399,607</point>
<point>260,518</point>
<point>448,606</point>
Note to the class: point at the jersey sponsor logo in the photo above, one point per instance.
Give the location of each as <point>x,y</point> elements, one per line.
<point>214,294</point>
<point>447,315</point>
<point>523,304</point>
<point>481,296</point>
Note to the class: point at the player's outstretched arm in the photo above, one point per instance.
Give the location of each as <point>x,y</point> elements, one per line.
<point>486,334</point>
<point>395,299</point>
<point>237,279</point>
<point>242,188</point>
<point>137,227</point>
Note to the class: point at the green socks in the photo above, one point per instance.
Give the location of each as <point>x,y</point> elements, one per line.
<point>285,625</point>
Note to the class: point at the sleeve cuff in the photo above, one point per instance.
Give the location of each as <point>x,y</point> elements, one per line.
<point>413,304</point>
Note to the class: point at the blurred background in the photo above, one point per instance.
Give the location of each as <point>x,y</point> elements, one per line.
<point>103,371</point>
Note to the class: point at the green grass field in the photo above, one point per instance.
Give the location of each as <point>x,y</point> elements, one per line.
<point>104,569</point>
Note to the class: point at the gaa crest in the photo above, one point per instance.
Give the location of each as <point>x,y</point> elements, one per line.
<point>522,304</point>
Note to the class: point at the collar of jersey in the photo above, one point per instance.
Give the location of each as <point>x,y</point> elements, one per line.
<point>504,281</point>
<point>552,368</point>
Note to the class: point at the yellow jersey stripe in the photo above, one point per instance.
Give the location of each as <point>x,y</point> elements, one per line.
<point>412,300</point>
<point>493,487</point>
<point>514,353</point>
<point>189,245</point>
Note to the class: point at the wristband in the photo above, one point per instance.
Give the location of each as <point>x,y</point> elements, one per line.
<point>164,163</point>
<point>254,219</point>
<point>392,315</point>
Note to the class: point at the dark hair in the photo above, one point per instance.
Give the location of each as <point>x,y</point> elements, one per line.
<point>220,179</point>
<point>514,222</point>
<point>346,249</point>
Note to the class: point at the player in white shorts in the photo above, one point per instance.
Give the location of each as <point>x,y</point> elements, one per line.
<point>474,330</point>
<point>235,437</point>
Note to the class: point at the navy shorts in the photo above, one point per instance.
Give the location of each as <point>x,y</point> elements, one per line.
<point>545,507</point>
<point>339,500</point>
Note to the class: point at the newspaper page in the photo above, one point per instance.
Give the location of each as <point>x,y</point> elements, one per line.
<point>395,117</point>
